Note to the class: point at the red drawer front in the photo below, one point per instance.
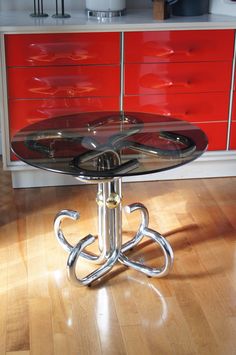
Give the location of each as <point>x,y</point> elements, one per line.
<point>216,133</point>
<point>177,78</point>
<point>234,108</point>
<point>232,144</point>
<point>233,135</point>
<point>25,112</point>
<point>199,107</point>
<point>63,82</point>
<point>62,49</point>
<point>179,46</point>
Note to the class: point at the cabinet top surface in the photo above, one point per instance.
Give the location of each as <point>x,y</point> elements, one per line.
<point>133,20</point>
<point>109,144</point>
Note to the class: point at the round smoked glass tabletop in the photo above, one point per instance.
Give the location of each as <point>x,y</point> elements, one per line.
<point>96,145</point>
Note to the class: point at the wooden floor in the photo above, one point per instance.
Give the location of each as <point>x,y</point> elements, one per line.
<point>191,311</point>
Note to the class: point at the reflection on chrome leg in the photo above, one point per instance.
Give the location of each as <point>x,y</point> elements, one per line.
<point>77,251</point>
<point>57,227</point>
<point>144,224</point>
<point>62,239</point>
<point>72,262</point>
<point>155,236</point>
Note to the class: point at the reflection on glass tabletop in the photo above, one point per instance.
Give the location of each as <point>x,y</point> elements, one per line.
<point>109,144</point>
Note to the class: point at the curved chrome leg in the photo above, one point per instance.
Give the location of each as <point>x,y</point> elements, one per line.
<point>158,238</point>
<point>64,242</point>
<point>72,262</point>
<point>109,202</point>
<point>57,227</point>
<point>144,224</point>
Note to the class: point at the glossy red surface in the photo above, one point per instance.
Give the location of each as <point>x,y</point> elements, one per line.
<point>232,144</point>
<point>216,133</point>
<point>177,78</point>
<point>198,107</point>
<point>234,108</point>
<point>62,49</point>
<point>49,82</point>
<point>25,112</point>
<point>179,46</point>
<point>183,84</point>
<point>233,135</point>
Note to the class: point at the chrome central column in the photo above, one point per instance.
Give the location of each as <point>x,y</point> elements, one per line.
<point>109,217</point>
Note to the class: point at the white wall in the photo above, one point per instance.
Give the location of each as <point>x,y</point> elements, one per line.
<point>222,7</point>
<point>49,5</point>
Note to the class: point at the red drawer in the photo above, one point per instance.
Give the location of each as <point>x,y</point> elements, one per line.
<point>233,136</point>
<point>199,107</point>
<point>232,144</point>
<point>216,133</point>
<point>177,78</point>
<point>179,46</point>
<point>62,49</point>
<point>63,81</point>
<point>25,112</point>
<point>234,108</point>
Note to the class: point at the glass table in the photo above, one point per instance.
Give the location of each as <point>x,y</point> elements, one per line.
<point>103,147</point>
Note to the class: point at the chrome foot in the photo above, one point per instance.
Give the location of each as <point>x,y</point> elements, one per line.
<point>76,251</point>
<point>73,258</point>
<point>155,236</point>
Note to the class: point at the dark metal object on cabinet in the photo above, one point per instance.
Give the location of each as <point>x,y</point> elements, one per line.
<point>38,9</point>
<point>190,7</point>
<point>60,13</point>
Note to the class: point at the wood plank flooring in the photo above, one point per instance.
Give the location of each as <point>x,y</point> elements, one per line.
<point>191,311</point>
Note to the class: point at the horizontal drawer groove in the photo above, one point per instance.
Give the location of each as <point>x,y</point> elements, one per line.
<point>183,62</point>
<point>59,98</point>
<point>178,93</point>
<point>64,66</point>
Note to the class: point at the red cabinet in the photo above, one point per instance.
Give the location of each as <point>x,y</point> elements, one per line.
<point>233,135</point>
<point>56,74</point>
<point>232,141</point>
<point>185,74</point>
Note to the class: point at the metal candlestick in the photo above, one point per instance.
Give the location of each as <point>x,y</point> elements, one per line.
<point>38,9</point>
<point>60,13</point>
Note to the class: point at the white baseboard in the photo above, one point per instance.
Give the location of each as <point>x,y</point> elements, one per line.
<point>211,164</point>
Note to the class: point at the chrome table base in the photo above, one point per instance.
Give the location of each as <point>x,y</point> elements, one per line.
<point>110,237</point>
